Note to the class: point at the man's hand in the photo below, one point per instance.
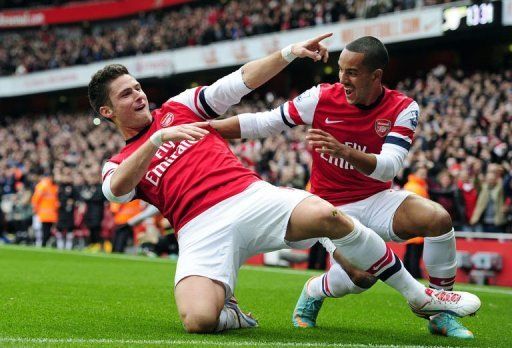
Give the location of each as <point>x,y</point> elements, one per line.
<point>190,131</point>
<point>312,48</point>
<point>323,142</point>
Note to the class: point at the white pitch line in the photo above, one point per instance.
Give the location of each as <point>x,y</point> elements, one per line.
<point>44,340</point>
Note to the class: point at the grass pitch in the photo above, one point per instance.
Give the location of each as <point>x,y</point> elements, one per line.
<point>73,299</point>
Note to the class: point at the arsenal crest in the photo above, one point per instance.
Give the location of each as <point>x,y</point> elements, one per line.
<point>382,127</point>
<point>167,120</point>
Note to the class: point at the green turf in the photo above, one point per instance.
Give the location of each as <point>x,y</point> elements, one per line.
<point>51,298</point>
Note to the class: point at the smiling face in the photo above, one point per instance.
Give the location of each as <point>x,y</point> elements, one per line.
<point>362,86</point>
<point>129,107</point>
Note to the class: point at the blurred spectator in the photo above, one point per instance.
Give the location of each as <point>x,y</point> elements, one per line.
<point>466,185</point>
<point>94,200</point>
<point>68,197</point>
<point>45,204</point>
<point>446,193</point>
<point>317,258</point>
<point>22,213</point>
<point>507,186</point>
<point>489,212</point>
<point>417,183</point>
<point>3,237</point>
<point>123,232</point>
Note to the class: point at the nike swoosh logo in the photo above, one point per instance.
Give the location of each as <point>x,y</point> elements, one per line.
<point>331,121</point>
<point>446,282</point>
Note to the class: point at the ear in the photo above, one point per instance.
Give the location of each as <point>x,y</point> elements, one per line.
<point>106,111</point>
<point>377,74</point>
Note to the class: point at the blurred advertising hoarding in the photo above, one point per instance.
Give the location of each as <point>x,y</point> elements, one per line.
<point>79,12</point>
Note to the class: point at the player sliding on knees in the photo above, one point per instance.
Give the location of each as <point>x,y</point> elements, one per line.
<point>361,134</point>
<point>221,211</point>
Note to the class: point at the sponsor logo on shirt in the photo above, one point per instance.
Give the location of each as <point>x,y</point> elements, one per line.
<point>382,127</point>
<point>167,120</point>
<point>155,174</point>
<point>340,162</point>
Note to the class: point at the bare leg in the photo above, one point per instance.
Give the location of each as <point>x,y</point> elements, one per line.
<point>200,301</point>
<point>420,217</point>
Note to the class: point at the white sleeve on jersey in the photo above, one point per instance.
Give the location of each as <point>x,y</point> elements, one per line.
<point>397,144</point>
<point>107,172</point>
<point>214,100</point>
<point>389,162</point>
<point>301,110</point>
<point>298,111</point>
<point>261,124</point>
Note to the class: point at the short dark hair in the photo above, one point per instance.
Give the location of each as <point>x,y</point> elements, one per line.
<point>98,87</point>
<point>375,53</point>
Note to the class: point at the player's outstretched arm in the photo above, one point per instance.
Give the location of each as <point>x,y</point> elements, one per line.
<point>211,101</point>
<point>251,125</point>
<point>257,72</point>
<point>299,111</point>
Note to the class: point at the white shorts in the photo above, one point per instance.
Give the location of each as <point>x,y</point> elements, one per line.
<point>377,212</point>
<point>218,241</point>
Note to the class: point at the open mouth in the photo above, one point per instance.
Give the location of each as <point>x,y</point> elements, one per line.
<point>140,107</point>
<point>349,91</point>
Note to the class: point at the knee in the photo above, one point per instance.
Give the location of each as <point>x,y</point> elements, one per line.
<point>199,323</point>
<point>440,222</point>
<point>333,222</point>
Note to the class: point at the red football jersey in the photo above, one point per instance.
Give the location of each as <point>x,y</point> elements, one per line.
<point>185,179</point>
<point>392,119</point>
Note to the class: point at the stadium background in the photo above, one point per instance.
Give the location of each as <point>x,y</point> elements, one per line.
<point>454,58</point>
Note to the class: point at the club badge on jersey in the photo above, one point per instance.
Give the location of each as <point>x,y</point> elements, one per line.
<point>382,127</point>
<point>167,120</point>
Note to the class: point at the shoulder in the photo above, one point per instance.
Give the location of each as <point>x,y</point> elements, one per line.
<point>114,160</point>
<point>331,92</point>
<point>330,89</point>
<point>400,99</point>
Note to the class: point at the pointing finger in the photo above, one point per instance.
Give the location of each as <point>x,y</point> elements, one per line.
<point>320,38</point>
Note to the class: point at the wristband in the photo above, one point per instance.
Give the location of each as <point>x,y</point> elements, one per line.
<point>287,54</point>
<point>156,138</point>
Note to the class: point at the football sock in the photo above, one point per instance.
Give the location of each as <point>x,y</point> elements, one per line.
<point>69,240</point>
<point>60,241</point>
<point>39,236</point>
<point>367,251</point>
<point>439,255</point>
<point>334,283</point>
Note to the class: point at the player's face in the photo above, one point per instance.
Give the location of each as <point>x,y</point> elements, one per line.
<point>130,106</point>
<point>357,80</point>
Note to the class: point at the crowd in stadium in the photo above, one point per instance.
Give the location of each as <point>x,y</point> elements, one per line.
<point>460,158</point>
<point>29,50</point>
